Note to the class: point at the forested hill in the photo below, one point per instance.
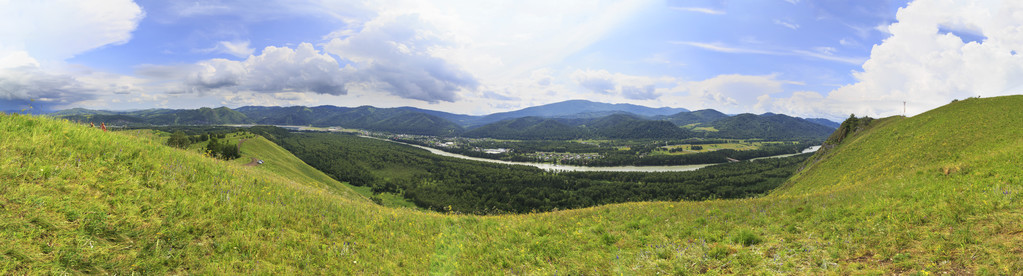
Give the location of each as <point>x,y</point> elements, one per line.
<point>397,120</point>
<point>621,126</point>
<point>201,116</point>
<point>768,126</point>
<point>565,120</point>
<point>574,109</point>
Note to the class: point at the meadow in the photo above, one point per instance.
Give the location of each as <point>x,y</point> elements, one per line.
<point>939,192</point>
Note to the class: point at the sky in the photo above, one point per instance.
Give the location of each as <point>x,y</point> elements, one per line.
<point>826,58</point>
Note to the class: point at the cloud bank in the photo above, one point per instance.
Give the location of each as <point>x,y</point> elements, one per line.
<point>925,65</point>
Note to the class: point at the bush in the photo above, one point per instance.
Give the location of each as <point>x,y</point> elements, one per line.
<point>179,140</point>
<point>746,238</point>
<point>223,150</point>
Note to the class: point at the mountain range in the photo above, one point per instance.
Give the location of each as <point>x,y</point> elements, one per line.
<point>563,120</point>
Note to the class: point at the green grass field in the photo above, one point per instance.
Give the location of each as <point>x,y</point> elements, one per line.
<point>936,193</point>
<point>736,145</point>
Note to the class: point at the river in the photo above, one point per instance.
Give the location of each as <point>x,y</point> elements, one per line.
<point>554,167</point>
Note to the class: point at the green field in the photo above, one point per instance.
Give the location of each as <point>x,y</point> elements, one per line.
<point>940,192</point>
<point>737,145</point>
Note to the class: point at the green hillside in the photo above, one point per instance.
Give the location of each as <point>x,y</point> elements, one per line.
<point>938,192</point>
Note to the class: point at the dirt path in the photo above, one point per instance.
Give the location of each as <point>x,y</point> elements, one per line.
<point>255,162</point>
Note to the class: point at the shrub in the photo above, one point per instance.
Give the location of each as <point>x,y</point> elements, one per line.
<point>746,238</point>
<point>179,140</point>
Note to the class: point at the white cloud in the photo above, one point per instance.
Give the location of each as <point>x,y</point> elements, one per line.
<point>787,24</point>
<point>502,41</point>
<point>235,48</point>
<point>59,29</point>
<point>800,104</point>
<point>28,83</point>
<point>926,68</point>
<point>718,47</point>
<point>37,36</point>
<point>730,93</point>
<point>275,70</point>
<point>15,59</point>
<point>827,54</point>
<point>823,55</point>
<point>599,81</point>
<point>699,10</point>
<point>394,55</point>
<point>619,85</point>
<point>924,64</point>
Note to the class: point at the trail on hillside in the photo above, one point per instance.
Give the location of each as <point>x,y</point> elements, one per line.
<point>255,161</point>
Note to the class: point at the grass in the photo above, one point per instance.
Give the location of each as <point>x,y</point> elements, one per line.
<point>736,145</point>
<point>936,193</point>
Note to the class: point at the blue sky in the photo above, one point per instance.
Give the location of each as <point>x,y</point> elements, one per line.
<point>803,58</point>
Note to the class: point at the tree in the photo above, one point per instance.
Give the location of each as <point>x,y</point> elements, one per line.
<point>223,150</point>
<point>178,140</point>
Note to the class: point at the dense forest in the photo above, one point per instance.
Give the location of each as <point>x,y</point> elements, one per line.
<point>444,183</point>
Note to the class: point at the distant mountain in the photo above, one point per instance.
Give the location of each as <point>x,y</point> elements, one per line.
<point>696,117</point>
<point>768,126</point>
<point>574,108</point>
<point>398,120</point>
<point>564,120</point>
<point>81,111</point>
<point>824,122</point>
<point>528,128</point>
<point>460,119</point>
<point>273,115</point>
<point>620,126</point>
<point>617,126</point>
<point>201,116</point>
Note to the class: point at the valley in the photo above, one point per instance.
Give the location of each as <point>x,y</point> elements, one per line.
<point>877,198</point>
<point>562,157</point>
<point>533,137</point>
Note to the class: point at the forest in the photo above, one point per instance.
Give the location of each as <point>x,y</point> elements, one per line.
<point>450,184</point>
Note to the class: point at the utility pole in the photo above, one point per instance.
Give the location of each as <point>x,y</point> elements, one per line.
<point>903,108</point>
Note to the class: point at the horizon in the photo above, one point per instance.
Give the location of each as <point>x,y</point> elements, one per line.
<point>838,120</point>
<point>799,58</point>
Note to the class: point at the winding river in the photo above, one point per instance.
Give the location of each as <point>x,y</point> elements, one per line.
<point>554,167</point>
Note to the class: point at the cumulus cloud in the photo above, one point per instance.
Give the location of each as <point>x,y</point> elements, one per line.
<point>24,86</point>
<point>800,103</point>
<point>639,93</point>
<point>37,36</point>
<point>599,81</point>
<point>276,69</point>
<point>734,90</point>
<point>497,96</point>
<point>239,49</point>
<point>628,86</point>
<point>393,54</point>
<point>57,30</point>
<point>927,67</point>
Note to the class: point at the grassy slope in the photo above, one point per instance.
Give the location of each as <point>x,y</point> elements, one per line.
<point>280,161</point>
<point>881,202</point>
